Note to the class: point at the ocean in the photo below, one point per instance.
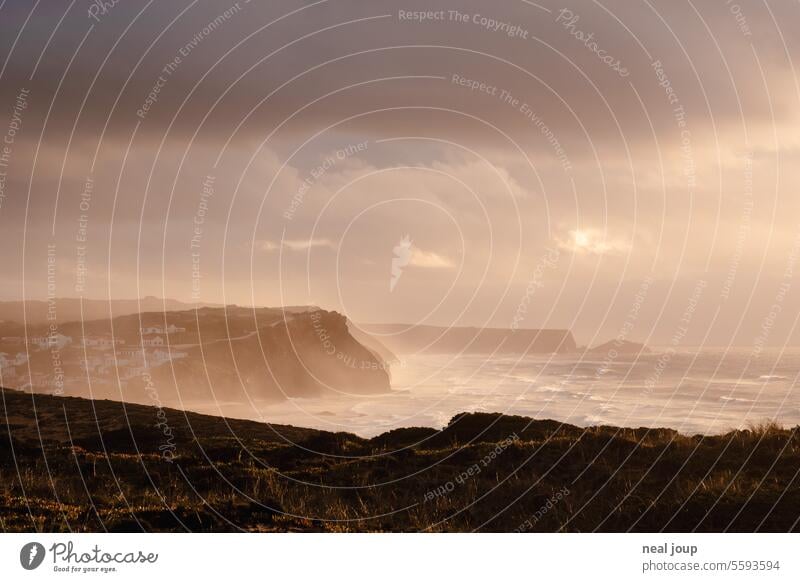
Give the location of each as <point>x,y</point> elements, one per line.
<point>707,391</point>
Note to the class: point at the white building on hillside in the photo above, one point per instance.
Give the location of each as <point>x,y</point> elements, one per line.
<point>102,342</point>
<point>167,355</point>
<point>56,340</point>
<point>155,329</point>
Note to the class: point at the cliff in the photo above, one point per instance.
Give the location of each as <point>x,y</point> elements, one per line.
<point>232,353</point>
<point>302,355</point>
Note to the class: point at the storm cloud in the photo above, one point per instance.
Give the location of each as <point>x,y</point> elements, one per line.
<point>278,153</point>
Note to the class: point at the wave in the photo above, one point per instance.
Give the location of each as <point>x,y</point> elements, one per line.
<point>732,399</point>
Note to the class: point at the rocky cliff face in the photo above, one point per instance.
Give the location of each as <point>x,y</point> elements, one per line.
<point>299,355</point>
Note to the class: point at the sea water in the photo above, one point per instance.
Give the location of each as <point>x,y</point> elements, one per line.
<point>707,391</point>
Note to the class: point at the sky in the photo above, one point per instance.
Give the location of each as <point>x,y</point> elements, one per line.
<point>622,169</point>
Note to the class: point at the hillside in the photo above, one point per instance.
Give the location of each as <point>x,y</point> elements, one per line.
<point>233,353</point>
<point>107,466</point>
<point>66,309</point>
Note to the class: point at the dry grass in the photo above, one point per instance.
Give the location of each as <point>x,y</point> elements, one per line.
<point>616,479</point>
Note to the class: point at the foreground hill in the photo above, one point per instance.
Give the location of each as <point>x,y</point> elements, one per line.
<point>104,465</point>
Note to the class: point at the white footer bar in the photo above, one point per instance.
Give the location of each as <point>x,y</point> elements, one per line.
<point>377,557</point>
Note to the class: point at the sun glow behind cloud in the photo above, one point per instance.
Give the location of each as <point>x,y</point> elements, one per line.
<point>590,241</point>
<point>429,259</point>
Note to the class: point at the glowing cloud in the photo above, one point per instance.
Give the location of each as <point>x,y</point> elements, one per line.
<point>593,242</point>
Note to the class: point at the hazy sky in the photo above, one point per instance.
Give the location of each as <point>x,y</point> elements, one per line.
<point>625,167</point>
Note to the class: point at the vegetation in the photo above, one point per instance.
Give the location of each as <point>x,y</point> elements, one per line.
<point>70,464</point>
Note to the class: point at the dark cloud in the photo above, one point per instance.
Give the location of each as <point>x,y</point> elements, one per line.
<point>533,135</point>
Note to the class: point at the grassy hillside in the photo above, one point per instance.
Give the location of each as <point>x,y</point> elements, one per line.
<point>101,465</point>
